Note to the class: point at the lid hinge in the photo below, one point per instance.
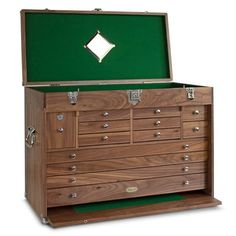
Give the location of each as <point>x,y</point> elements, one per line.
<point>55,85</point>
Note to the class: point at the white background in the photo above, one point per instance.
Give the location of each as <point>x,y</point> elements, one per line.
<point>203,39</point>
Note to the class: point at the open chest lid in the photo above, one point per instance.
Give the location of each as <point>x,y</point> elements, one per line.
<point>94,47</point>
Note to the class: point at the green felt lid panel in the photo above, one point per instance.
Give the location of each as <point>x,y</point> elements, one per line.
<point>54,46</point>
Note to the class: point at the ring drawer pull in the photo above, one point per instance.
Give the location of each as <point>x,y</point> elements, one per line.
<point>105,114</point>
<point>186,146</point>
<point>72,156</point>
<point>105,126</point>
<point>186,169</point>
<point>131,189</point>
<point>158,134</point>
<point>186,182</point>
<point>73,168</point>
<point>196,112</point>
<point>105,138</point>
<point>60,130</point>
<point>157,111</point>
<point>157,123</point>
<point>73,195</point>
<point>73,180</point>
<point>185,157</point>
<point>196,129</point>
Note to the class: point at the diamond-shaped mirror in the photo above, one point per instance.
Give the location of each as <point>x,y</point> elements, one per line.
<point>99,46</point>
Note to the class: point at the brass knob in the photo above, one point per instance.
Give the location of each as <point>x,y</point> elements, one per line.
<point>186,169</point>
<point>186,182</point>
<point>105,138</point>
<point>73,195</point>
<point>158,134</point>
<point>186,146</point>
<point>157,111</point>
<point>196,112</point>
<point>73,180</point>
<point>105,114</point>
<point>73,168</point>
<point>157,123</point>
<point>105,126</point>
<point>185,157</point>
<point>60,130</point>
<point>72,156</point>
<point>196,129</point>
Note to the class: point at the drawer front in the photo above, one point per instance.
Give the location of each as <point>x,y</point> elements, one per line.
<point>61,130</point>
<point>157,123</point>
<point>195,129</point>
<point>63,156</point>
<point>128,163</point>
<point>125,175</point>
<point>156,112</point>
<point>126,189</point>
<point>191,113</point>
<point>104,139</point>
<point>104,126</point>
<point>155,135</point>
<point>104,115</point>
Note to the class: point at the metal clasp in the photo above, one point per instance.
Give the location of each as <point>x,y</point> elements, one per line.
<point>30,137</point>
<point>134,96</point>
<point>73,97</point>
<point>190,93</point>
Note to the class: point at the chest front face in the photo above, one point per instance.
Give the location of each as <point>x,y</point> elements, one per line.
<point>108,129</point>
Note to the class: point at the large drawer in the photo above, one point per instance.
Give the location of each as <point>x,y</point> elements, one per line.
<point>126,189</point>
<point>69,168</point>
<point>104,126</point>
<point>155,135</point>
<point>195,129</point>
<point>125,175</point>
<point>156,123</point>
<point>104,138</point>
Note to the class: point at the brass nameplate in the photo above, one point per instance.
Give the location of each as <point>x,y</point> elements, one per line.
<point>131,189</point>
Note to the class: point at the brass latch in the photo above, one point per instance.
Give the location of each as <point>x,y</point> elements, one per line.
<point>190,93</point>
<point>134,96</point>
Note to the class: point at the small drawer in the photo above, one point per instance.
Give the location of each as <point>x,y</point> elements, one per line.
<point>157,123</point>
<point>104,126</point>
<point>104,138</point>
<point>154,135</point>
<point>124,189</point>
<point>191,113</point>
<point>104,115</point>
<point>195,129</point>
<point>156,112</point>
<point>63,156</point>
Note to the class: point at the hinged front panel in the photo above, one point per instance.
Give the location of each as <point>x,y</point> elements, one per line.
<point>64,47</point>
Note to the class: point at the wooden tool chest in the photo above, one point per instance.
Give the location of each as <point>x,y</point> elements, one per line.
<point>105,126</point>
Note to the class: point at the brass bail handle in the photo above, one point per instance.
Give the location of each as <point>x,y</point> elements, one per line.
<point>30,137</point>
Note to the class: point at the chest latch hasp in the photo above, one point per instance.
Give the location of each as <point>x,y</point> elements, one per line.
<point>134,96</point>
<point>190,93</point>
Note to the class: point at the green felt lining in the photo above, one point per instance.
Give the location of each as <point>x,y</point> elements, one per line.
<point>111,87</point>
<point>124,203</point>
<point>55,47</point>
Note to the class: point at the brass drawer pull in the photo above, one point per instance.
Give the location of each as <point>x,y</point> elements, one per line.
<point>157,111</point>
<point>196,112</point>
<point>60,130</point>
<point>158,134</point>
<point>196,129</point>
<point>185,157</point>
<point>186,169</point>
<point>105,138</point>
<point>157,123</point>
<point>105,114</point>
<point>186,182</point>
<point>72,156</point>
<point>73,168</point>
<point>131,189</point>
<point>105,126</point>
<point>186,146</point>
<point>73,180</point>
<point>73,195</point>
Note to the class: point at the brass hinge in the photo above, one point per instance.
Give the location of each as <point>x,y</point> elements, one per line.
<point>190,93</point>
<point>55,85</point>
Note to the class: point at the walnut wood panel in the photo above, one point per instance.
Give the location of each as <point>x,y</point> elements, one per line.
<point>35,171</point>
<point>104,138</point>
<point>159,134</point>
<point>111,191</point>
<point>135,150</point>
<point>195,129</point>
<point>64,138</point>
<point>125,175</point>
<point>64,216</point>
<point>156,123</point>
<point>104,115</point>
<point>104,126</point>
<point>118,99</point>
<point>124,163</point>
<point>63,156</point>
<point>156,112</point>
<point>191,113</point>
